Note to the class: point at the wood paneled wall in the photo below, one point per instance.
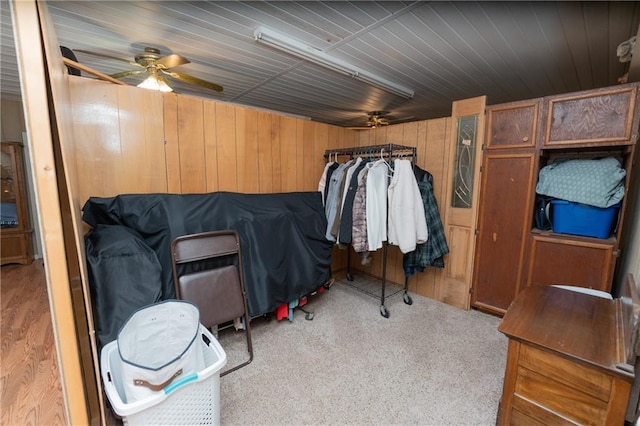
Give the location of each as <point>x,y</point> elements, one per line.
<point>214,146</point>
<point>139,141</point>
<point>131,140</point>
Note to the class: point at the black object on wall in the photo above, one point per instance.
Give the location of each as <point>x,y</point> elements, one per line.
<point>68,53</point>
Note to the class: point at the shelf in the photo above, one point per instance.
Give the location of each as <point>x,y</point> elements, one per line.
<point>612,239</point>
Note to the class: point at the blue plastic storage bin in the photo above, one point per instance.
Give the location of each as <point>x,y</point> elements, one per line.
<point>582,219</point>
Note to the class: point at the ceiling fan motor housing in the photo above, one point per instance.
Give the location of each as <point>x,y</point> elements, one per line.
<point>148,57</point>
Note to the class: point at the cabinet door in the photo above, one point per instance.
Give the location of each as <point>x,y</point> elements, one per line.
<point>504,223</point>
<point>512,125</point>
<point>592,118</point>
<point>576,261</point>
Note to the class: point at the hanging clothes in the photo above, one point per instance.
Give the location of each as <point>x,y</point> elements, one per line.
<point>376,204</point>
<point>331,204</point>
<point>344,187</point>
<point>359,219</point>
<point>407,223</point>
<point>346,218</point>
<point>432,252</point>
<point>322,184</point>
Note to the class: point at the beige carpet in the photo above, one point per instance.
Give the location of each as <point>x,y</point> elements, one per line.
<point>427,364</point>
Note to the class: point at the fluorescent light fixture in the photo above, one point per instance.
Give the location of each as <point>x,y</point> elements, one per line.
<point>317,56</point>
<point>155,82</point>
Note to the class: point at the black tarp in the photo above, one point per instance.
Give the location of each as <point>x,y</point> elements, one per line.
<point>124,276</point>
<point>284,252</point>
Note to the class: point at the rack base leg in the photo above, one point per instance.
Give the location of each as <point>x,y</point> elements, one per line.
<point>384,311</point>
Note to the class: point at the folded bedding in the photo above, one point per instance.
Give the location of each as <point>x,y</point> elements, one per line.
<point>596,182</point>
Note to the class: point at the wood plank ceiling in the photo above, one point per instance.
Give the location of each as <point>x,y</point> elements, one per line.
<point>443,51</point>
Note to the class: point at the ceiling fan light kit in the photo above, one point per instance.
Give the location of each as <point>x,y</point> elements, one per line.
<point>319,57</point>
<point>155,82</point>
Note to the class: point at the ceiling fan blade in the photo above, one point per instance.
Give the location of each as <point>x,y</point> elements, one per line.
<point>193,80</point>
<point>172,60</point>
<point>102,55</point>
<point>126,73</point>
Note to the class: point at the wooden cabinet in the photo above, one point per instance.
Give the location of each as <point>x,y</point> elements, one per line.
<point>597,117</point>
<point>16,230</point>
<point>522,137</point>
<point>568,359</point>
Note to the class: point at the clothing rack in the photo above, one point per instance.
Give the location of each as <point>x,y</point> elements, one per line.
<point>387,151</point>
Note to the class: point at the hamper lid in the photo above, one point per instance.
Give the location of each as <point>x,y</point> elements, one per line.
<point>157,335</point>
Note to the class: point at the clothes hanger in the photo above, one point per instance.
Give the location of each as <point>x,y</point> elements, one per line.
<point>382,158</point>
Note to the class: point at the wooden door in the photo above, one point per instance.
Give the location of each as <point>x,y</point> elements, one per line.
<point>504,222</point>
<point>513,125</point>
<point>506,203</point>
<point>461,205</point>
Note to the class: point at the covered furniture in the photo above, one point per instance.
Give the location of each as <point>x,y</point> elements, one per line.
<point>207,271</point>
<point>285,255</point>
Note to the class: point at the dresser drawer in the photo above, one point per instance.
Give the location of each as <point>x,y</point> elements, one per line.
<point>528,413</point>
<point>560,388</point>
<point>588,380</point>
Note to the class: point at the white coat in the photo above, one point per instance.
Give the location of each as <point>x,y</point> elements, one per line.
<point>407,222</point>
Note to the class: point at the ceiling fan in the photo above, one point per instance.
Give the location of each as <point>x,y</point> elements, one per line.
<point>377,119</point>
<point>156,66</point>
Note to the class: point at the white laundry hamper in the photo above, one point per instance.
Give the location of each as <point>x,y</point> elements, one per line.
<point>190,400</point>
<point>157,344</point>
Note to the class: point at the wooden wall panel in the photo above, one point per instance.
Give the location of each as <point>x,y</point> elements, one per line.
<point>288,154</point>
<point>97,136</point>
<point>265,153</point>
<point>314,152</point>
<point>155,172</point>
<point>435,160</point>
<point>171,143</point>
<point>276,164</point>
<point>191,145</point>
<point>226,147</point>
<point>210,146</point>
<point>246,147</point>
<point>120,139</point>
<point>298,164</point>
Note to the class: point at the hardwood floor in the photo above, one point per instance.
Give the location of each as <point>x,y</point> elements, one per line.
<point>30,391</point>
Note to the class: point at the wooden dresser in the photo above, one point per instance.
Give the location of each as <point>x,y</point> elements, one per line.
<point>570,358</point>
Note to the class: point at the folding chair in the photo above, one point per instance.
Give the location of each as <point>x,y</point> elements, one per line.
<point>207,271</point>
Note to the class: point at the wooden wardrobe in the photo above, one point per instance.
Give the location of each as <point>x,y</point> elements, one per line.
<point>521,138</point>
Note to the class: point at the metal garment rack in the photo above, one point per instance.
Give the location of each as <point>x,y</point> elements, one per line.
<point>388,152</point>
